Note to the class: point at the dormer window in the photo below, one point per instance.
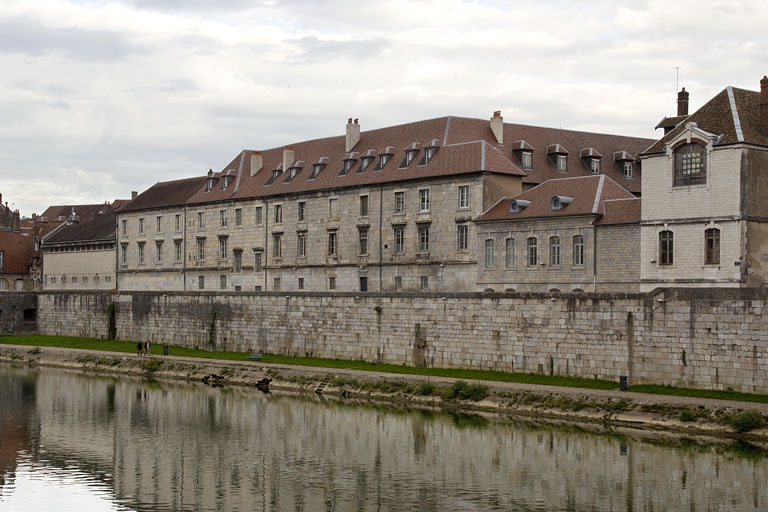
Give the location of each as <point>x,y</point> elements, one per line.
<point>210,183</point>
<point>558,155</point>
<point>625,163</point>
<point>293,171</point>
<point>591,158</point>
<point>349,163</point>
<point>627,169</point>
<point>690,165</point>
<point>524,154</point>
<point>429,151</point>
<point>364,163</point>
<point>317,167</point>
<point>383,159</point>
<point>526,160</point>
<point>275,174</point>
<point>562,163</point>
<point>226,181</point>
<point>409,156</point>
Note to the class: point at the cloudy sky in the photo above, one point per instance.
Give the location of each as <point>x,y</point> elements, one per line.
<point>101,98</point>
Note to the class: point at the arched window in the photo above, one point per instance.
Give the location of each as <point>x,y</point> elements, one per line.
<point>666,248</point>
<point>690,164</point>
<point>712,246</point>
<point>554,251</point>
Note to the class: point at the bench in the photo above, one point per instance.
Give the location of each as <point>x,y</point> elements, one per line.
<point>254,356</point>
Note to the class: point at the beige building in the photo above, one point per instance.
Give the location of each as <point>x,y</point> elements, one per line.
<point>704,209</point>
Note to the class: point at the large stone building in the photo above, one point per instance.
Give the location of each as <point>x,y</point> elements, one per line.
<point>382,210</point>
<point>704,218</point>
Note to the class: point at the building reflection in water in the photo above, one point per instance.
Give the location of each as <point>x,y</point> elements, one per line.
<point>178,446</point>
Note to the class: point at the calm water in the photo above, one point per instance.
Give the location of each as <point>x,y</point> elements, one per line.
<point>74,442</point>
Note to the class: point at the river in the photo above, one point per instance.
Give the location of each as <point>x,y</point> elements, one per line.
<point>72,441</point>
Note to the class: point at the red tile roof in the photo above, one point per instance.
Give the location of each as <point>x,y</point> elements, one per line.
<point>85,212</point>
<point>17,246</point>
<point>165,194</point>
<point>620,211</point>
<point>718,116</point>
<point>588,192</point>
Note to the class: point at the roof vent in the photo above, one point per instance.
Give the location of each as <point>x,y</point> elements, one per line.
<point>560,202</point>
<point>518,205</point>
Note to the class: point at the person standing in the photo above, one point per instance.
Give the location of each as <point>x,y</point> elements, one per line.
<point>146,347</point>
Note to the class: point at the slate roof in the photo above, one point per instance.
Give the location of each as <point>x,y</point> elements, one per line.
<point>100,229</point>
<point>85,212</point>
<point>733,113</point>
<point>17,245</point>
<point>588,193</point>
<point>164,194</point>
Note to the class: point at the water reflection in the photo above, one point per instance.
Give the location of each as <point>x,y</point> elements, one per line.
<point>142,445</point>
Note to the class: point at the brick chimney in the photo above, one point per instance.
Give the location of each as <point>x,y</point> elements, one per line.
<point>764,103</point>
<point>353,134</point>
<point>497,126</point>
<point>682,103</point>
<point>288,157</point>
<point>134,194</point>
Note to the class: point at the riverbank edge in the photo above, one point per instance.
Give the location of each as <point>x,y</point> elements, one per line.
<point>608,408</point>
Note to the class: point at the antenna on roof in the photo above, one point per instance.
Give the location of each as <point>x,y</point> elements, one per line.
<point>677,78</point>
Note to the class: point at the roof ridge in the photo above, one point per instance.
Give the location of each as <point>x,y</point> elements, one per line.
<point>735,114</point>
<point>598,193</point>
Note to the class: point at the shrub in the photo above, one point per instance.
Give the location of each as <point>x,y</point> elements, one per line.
<point>745,421</point>
<point>34,350</point>
<point>688,415</point>
<point>425,389</point>
<point>152,364</point>
<point>463,391</point>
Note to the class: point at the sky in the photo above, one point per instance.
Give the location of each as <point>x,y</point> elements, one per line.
<point>101,98</point>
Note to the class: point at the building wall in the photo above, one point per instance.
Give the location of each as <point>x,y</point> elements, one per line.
<point>80,270</point>
<point>617,258</point>
<point>693,338</point>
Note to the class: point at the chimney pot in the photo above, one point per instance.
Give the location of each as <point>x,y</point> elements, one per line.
<point>349,121</point>
<point>355,120</point>
<point>764,103</point>
<point>682,102</point>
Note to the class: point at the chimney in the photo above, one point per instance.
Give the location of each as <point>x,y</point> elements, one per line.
<point>353,134</point>
<point>288,157</point>
<point>257,162</point>
<point>497,126</point>
<point>764,103</point>
<point>134,194</point>
<point>682,103</point>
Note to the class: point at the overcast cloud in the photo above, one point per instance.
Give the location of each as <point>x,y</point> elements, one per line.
<point>101,98</point>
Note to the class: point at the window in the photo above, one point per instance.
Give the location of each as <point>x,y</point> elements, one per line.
<point>363,284</point>
<point>409,155</point>
<point>141,226</point>
<point>316,168</point>
<point>399,240</point>
<point>666,248</point>
<point>332,243</point>
<point>223,218</point>
<point>363,206</point>
<point>331,283</point>
<point>509,252</point>
<point>690,165</point>
<point>177,222</point>
<point>383,159</point>
<point>223,282</point>
<point>526,159</point>
<point>276,284</point>
<point>424,282</point>
<point>302,211</point>
<point>278,214</point>
<point>201,219</point>
<point>201,249</point>
<point>159,248</point>
<point>257,261</point>
<point>124,226</point>
<point>462,237</point>
<point>301,283</point>
<point>333,208</point>
<point>159,223</point>
<point>363,235</point>
<point>258,216</point>
<point>627,168</point>
<point>177,250</point>
<point>238,216</point>
<point>238,261</point>
<point>222,248</point>
<point>141,253</point>
<point>424,200</point>
<point>348,164</point>
<point>554,251</point>
<point>578,250</point>
<point>594,165</point>
<point>124,254</point>
<point>464,196</point>
<point>277,245</point>
<point>489,253</point>
<point>201,282</point>
<point>562,163</point>
<point>533,255</point>
<point>712,246</point>
<point>424,239</point>
<point>428,154</point>
<point>301,245</point>
<point>398,283</point>
<point>399,202</point>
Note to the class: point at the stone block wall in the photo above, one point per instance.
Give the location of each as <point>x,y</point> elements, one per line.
<point>694,338</point>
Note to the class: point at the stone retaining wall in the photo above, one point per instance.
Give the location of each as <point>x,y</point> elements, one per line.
<point>693,338</point>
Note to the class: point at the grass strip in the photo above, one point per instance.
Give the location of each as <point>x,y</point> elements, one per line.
<point>157,349</point>
<point>699,393</point>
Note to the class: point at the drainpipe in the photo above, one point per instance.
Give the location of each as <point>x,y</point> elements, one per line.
<point>266,243</point>
<point>594,257</point>
<point>184,248</point>
<point>381,201</point>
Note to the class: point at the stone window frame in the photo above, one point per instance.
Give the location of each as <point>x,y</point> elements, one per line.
<point>424,200</point>
<point>578,250</point>
<point>277,284</point>
<point>462,237</point>
<point>331,283</point>
<point>223,218</point>
<point>223,251</point>
<point>177,251</point>
<point>277,210</point>
<point>141,252</point>
<point>277,245</point>
<point>238,216</point>
<point>301,211</point>
<point>258,256</point>
<point>399,202</point>
<point>124,253</point>
<point>399,236</point>
<point>423,239</point>
<point>554,251</point>
<point>201,219</point>
<point>159,224</point>
<point>666,240</point>
<point>201,282</point>
<point>532,245</point>
<point>159,251</point>
<point>424,282</point>
<point>124,228</point>
<point>333,243</point>
<point>223,282</point>
<point>237,261</point>
<point>300,284</point>
<point>177,222</point>
<point>488,252</point>
<point>201,249</point>
<point>398,282</point>
<point>712,245</point>
<point>688,168</point>
<point>333,208</point>
<point>301,245</point>
<point>141,225</point>
<point>509,252</point>
<point>258,216</point>
<point>464,192</point>
<point>362,234</point>
<point>364,205</point>
<point>363,283</point>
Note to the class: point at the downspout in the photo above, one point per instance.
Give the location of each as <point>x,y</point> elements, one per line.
<point>117,253</point>
<point>381,201</point>
<point>184,248</point>
<point>266,243</point>
<point>594,256</point>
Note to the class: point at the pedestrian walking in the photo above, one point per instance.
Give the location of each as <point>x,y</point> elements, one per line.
<point>146,347</point>
<point>138,349</point>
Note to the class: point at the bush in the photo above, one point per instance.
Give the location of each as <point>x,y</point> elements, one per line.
<point>425,389</point>
<point>152,364</point>
<point>463,391</point>
<point>745,421</point>
<point>34,350</point>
